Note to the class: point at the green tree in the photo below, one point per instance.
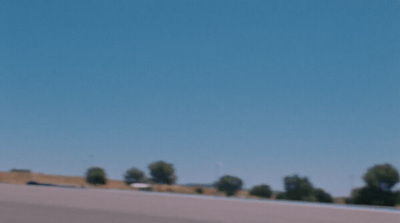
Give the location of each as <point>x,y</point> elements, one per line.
<point>374,196</point>
<point>280,195</point>
<point>96,175</point>
<point>298,188</point>
<point>229,184</point>
<point>162,172</point>
<point>134,175</point>
<point>397,194</point>
<point>379,179</point>
<point>261,191</point>
<point>382,177</point>
<point>322,196</point>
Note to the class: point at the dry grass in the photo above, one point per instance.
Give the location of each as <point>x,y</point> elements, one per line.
<point>23,178</point>
<point>185,189</point>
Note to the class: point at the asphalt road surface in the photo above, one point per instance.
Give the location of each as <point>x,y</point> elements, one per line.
<point>39,204</point>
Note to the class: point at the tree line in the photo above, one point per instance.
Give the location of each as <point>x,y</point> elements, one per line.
<point>378,190</point>
<point>161,172</point>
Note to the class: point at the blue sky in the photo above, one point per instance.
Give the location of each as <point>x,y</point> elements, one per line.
<point>264,88</point>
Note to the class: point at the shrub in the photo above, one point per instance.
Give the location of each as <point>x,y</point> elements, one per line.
<point>322,196</point>
<point>298,188</point>
<point>96,175</point>
<point>280,196</point>
<point>374,196</point>
<point>134,175</point>
<point>229,184</point>
<point>162,172</point>
<point>199,190</point>
<point>261,191</point>
<point>397,193</point>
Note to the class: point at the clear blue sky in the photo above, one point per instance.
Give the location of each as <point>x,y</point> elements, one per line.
<point>265,88</point>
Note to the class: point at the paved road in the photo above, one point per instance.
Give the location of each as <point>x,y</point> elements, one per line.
<point>37,204</point>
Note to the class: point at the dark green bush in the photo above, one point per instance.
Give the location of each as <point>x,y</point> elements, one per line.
<point>96,175</point>
<point>298,188</point>
<point>261,191</point>
<point>162,172</point>
<point>199,190</point>
<point>134,175</point>
<point>280,196</point>
<point>322,196</point>
<point>374,196</point>
<point>229,184</point>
